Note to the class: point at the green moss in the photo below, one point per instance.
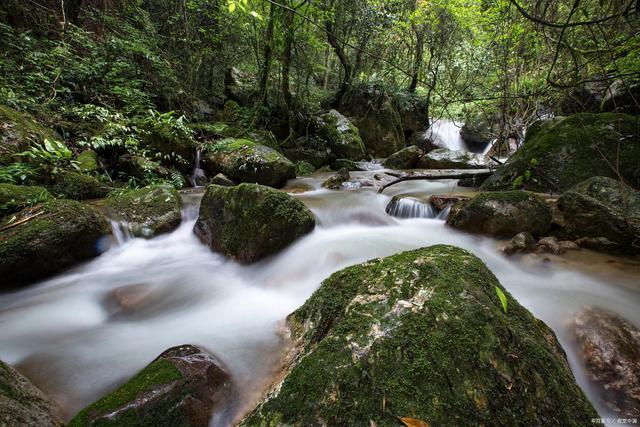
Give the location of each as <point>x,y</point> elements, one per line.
<point>421,334</point>
<point>17,197</point>
<point>78,186</point>
<point>159,372</point>
<point>18,130</point>
<point>88,161</point>
<point>342,135</point>
<point>571,149</point>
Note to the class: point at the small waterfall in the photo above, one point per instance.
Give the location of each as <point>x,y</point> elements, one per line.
<point>198,177</point>
<point>121,231</point>
<point>407,207</point>
<point>446,133</point>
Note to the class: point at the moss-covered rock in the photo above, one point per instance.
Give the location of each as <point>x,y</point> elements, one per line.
<point>602,214</point>
<point>342,136</point>
<point>443,158</point>
<point>407,158</point>
<point>22,403</point>
<point>58,235</point>
<point>564,151</point>
<point>14,198</point>
<point>77,186</point>
<point>413,110</point>
<point>176,149</point>
<point>182,387</point>
<point>140,167</point>
<point>88,161</point>
<point>335,182</point>
<point>245,161</point>
<point>423,335</point>
<point>249,221</point>
<point>18,130</point>
<point>502,214</point>
<point>148,211</point>
<point>316,158</point>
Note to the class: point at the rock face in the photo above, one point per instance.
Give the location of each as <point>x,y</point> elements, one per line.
<point>245,161</point>
<point>78,186</point>
<point>413,110</point>
<point>60,234</point>
<point>611,352</point>
<point>602,214</point>
<point>502,214</point>
<point>149,211</point>
<point>407,158</point>
<point>316,158</point>
<point>17,131</point>
<point>622,97</point>
<point>182,387</point>
<point>568,150</point>
<point>14,198</point>
<point>22,404</point>
<point>342,136</point>
<point>443,158</point>
<point>421,334</point>
<point>249,222</point>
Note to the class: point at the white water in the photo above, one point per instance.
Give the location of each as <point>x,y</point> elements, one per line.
<point>198,177</point>
<point>71,337</point>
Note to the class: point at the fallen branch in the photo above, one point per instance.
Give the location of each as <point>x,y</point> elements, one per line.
<point>463,175</point>
<point>22,221</point>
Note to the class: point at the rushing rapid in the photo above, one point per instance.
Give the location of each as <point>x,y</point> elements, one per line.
<point>87,330</point>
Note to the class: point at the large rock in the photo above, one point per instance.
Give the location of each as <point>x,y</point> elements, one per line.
<point>133,165</point>
<point>611,353</point>
<point>18,130</point>
<point>477,130</point>
<point>175,145</point>
<point>443,158</point>
<point>315,157</point>
<point>335,182</point>
<point>422,335</point>
<point>249,221</point>
<point>59,234</point>
<point>342,136</point>
<point>245,161</point>
<point>602,213</point>
<point>148,211</point>
<point>182,387</point>
<point>413,110</point>
<point>14,198</point>
<point>407,158</point>
<point>564,151</point>
<point>77,186</point>
<point>622,97</point>
<point>502,214</point>
<point>22,404</point>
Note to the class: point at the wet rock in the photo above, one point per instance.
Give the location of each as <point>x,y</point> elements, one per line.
<point>474,182</point>
<point>413,112</point>
<point>441,202</point>
<point>407,158</point>
<point>148,211</point>
<point>14,198</point>
<point>342,136</point>
<point>551,245</point>
<point>521,243</point>
<point>140,167</point>
<point>316,158</point>
<point>622,97</point>
<point>477,131</point>
<point>335,182</point>
<point>249,222</point>
<point>611,353</point>
<point>22,403</point>
<point>502,214</point>
<point>57,235</point>
<point>77,186</point>
<point>346,164</point>
<point>602,214</point>
<point>222,179</point>
<point>182,387</point>
<point>18,131</point>
<point>568,150</point>
<point>421,334</point>
<point>443,158</point>
<point>245,161</point>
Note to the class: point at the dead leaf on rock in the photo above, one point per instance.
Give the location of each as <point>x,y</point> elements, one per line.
<point>413,422</point>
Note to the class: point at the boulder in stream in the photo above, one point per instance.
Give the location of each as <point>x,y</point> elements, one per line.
<point>521,243</point>
<point>502,214</point>
<point>421,334</point>
<point>602,214</point>
<point>14,198</point>
<point>407,158</point>
<point>48,238</point>
<point>23,404</point>
<point>342,136</point>
<point>182,387</point>
<point>148,211</point>
<point>245,161</point>
<point>611,353</point>
<point>77,186</point>
<point>335,182</point>
<point>443,158</point>
<point>249,221</point>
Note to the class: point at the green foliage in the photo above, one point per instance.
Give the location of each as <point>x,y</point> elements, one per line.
<point>52,157</point>
<point>304,168</point>
<point>16,173</point>
<point>503,298</point>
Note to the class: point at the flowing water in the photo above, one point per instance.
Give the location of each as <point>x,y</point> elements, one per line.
<point>84,332</point>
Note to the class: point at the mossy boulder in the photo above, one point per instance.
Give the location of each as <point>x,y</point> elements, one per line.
<point>249,222</point>
<point>602,214</point>
<point>245,161</point>
<point>413,110</point>
<point>505,213</point>
<point>443,158</point>
<point>315,157</point>
<point>133,165</point>
<point>22,403</point>
<point>564,151</point>
<point>88,161</point>
<point>14,198</point>
<point>57,235</point>
<point>77,186</point>
<point>148,211</point>
<point>181,387</point>
<point>335,182</point>
<point>175,148</point>
<point>342,136</point>
<point>407,158</point>
<point>18,130</point>
<point>422,335</point>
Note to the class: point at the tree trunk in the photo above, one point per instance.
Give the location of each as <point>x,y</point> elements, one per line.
<point>267,58</point>
<point>417,60</point>
<point>346,65</point>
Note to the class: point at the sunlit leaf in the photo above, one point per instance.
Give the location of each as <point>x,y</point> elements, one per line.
<point>503,298</point>
<point>413,422</point>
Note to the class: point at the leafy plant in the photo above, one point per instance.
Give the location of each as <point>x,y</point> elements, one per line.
<point>16,173</point>
<point>526,176</point>
<point>502,297</point>
<point>52,156</point>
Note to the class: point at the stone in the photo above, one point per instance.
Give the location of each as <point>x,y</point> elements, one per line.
<point>14,198</point>
<point>443,158</point>
<point>335,182</point>
<point>521,243</point>
<point>407,158</point>
<point>342,136</point>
